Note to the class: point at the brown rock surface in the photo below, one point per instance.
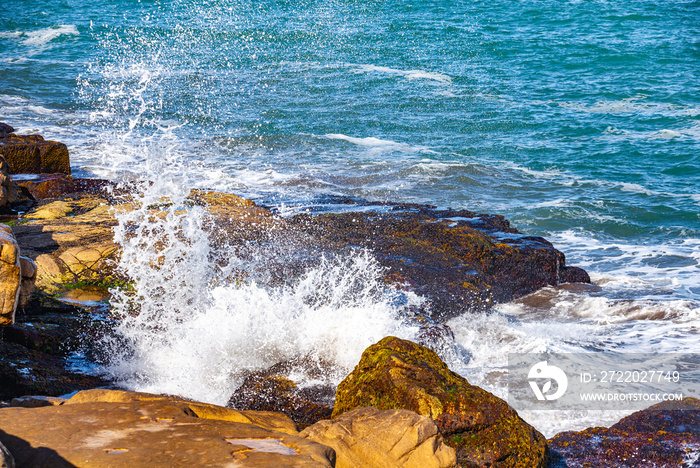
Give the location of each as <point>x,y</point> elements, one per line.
<point>9,192</point>
<point>5,129</point>
<point>481,427</point>
<point>372,438</point>
<point>460,260</point>
<point>123,429</point>
<point>10,278</point>
<point>666,435</point>
<point>31,154</point>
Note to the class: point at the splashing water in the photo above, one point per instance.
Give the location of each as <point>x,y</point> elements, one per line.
<point>183,327</point>
<point>181,334</point>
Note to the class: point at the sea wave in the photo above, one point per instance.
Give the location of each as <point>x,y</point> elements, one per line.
<point>408,74</point>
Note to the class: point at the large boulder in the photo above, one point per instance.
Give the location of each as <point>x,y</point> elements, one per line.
<point>10,275</point>
<point>460,261</point>
<point>101,428</point>
<point>372,438</point>
<point>482,428</point>
<point>31,154</point>
<point>665,435</point>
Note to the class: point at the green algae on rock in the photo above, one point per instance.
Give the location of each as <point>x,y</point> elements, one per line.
<point>482,428</point>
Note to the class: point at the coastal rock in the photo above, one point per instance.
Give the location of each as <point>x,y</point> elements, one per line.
<point>208,198</point>
<point>665,435</point>
<point>40,367</point>
<point>461,261</point>
<point>9,192</point>
<point>372,438</point>
<point>10,277</point>
<point>6,460</point>
<point>5,129</point>
<point>43,186</point>
<point>483,429</point>
<point>274,390</point>
<point>36,401</point>
<point>31,154</point>
<point>126,429</point>
<point>71,241</point>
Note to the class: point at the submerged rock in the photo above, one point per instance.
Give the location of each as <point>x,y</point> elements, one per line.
<point>482,428</point>
<point>665,435</point>
<point>102,428</point>
<point>372,438</point>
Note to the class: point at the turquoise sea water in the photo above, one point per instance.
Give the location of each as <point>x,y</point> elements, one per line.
<point>578,121</point>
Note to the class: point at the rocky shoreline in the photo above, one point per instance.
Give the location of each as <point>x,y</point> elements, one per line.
<point>401,406</point>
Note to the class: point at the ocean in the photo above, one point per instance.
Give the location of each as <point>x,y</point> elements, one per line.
<point>577,121</point>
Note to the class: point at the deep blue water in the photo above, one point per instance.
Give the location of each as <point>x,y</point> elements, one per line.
<point>577,120</point>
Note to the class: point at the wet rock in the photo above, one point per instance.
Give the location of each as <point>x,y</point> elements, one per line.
<point>460,260</point>
<point>483,429</point>
<point>126,429</point>
<point>31,154</point>
<point>10,278</point>
<point>274,390</point>
<point>207,198</point>
<point>36,401</point>
<point>663,436</point>
<point>25,371</point>
<point>372,438</point>
<point>5,129</point>
<point>6,460</point>
<point>42,186</point>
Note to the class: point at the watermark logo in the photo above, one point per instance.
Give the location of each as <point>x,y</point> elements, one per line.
<point>542,372</point>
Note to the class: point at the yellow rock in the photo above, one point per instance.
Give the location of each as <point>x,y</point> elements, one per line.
<point>54,210</point>
<point>103,428</point>
<point>372,438</point>
<point>10,277</point>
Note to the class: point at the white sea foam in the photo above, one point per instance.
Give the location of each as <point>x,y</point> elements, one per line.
<point>566,320</point>
<point>377,145</point>
<point>634,105</point>
<point>614,134</point>
<point>41,37</point>
<point>408,74</point>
